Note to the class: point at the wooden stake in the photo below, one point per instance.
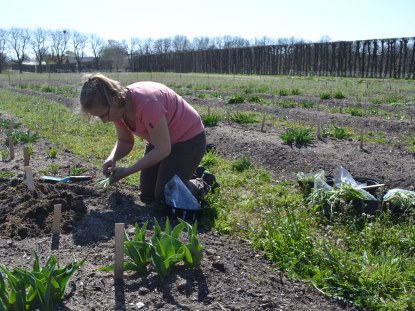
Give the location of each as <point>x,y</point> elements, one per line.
<point>228,116</point>
<point>11,147</point>
<point>26,156</point>
<point>29,178</point>
<point>263,123</point>
<point>119,251</point>
<point>361,138</point>
<point>319,129</point>
<point>57,216</point>
<point>208,110</point>
<point>11,126</point>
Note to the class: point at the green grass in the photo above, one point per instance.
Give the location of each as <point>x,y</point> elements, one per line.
<point>369,261</point>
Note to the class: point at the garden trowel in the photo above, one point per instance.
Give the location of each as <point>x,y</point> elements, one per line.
<point>53,179</point>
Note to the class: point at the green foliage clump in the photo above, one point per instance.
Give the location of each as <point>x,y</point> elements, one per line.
<point>236,99</point>
<point>295,91</point>
<point>354,111</point>
<point>24,136</point>
<point>283,92</point>
<point>53,152</point>
<point>325,95</point>
<point>336,132</point>
<point>307,104</point>
<point>242,117</point>
<point>255,99</point>
<point>39,289</point>
<point>300,136</point>
<point>163,251</point>
<point>210,119</point>
<point>339,95</point>
<point>241,164</point>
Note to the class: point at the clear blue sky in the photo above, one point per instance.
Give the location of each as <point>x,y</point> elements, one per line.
<point>303,19</point>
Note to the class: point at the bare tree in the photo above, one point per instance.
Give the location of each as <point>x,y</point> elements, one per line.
<point>234,42</point>
<point>79,42</point>
<point>115,52</point>
<point>264,41</point>
<point>3,44</point>
<point>202,43</point>
<point>132,49</point>
<point>180,43</point>
<point>59,43</point>
<point>162,45</point>
<point>19,39</point>
<point>97,45</point>
<point>39,45</point>
<point>146,46</point>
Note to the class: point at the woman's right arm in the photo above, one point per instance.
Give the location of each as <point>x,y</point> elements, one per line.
<point>123,146</point>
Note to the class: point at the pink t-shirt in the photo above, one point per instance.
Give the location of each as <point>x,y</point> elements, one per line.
<point>153,100</point>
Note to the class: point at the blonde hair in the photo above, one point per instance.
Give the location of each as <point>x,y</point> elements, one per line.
<point>99,88</point>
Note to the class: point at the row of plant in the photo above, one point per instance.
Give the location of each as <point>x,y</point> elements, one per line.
<point>43,287</point>
<point>364,260</point>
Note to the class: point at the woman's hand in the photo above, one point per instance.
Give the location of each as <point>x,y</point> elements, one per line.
<point>106,167</point>
<point>119,172</point>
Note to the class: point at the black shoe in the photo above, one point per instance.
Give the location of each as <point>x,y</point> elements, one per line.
<point>199,171</point>
<point>210,179</point>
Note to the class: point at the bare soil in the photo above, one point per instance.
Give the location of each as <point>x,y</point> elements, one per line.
<point>232,275</point>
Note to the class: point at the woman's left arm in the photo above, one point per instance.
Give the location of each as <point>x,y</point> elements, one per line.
<point>160,139</point>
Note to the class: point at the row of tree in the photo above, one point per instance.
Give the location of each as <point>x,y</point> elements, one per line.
<point>19,45</point>
<point>378,58</point>
<point>368,58</point>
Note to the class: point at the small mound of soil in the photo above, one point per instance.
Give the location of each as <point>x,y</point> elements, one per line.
<point>25,213</point>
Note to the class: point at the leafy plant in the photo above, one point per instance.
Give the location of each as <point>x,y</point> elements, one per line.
<point>6,174</point>
<point>30,148</point>
<point>295,91</point>
<point>5,153</point>
<point>286,104</point>
<point>76,170</point>
<point>236,99</point>
<point>52,152</point>
<point>193,249</point>
<point>210,119</point>
<point>242,117</point>
<point>6,124</point>
<point>53,168</point>
<point>242,164</point>
<point>255,99</point>
<point>163,251</point>
<point>355,111</point>
<point>300,136</point>
<point>40,289</point>
<point>339,95</point>
<point>283,92</point>
<point>307,104</point>
<point>325,96</point>
<point>24,136</point>
<point>166,249</point>
<point>341,132</point>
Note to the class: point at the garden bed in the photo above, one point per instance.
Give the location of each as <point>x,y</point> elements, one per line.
<point>232,276</point>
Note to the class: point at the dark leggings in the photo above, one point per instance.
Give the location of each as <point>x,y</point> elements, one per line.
<point>182,161</point>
